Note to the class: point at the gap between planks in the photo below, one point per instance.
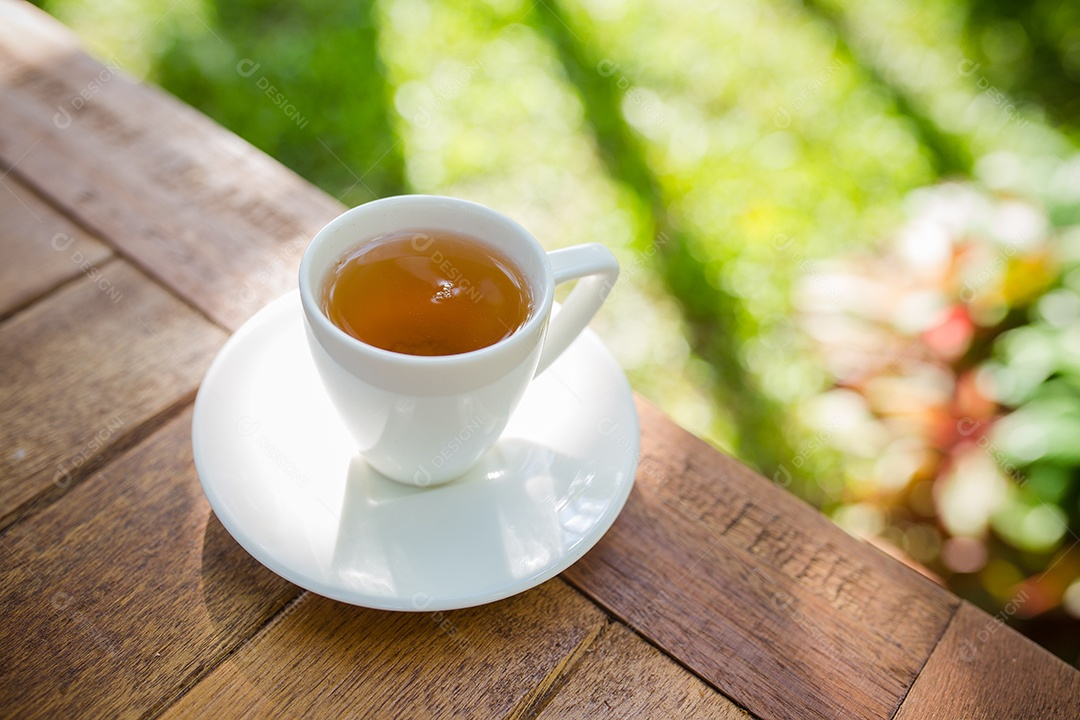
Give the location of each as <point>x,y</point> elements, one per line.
<point>118,252</point>
<point>534,703</point>
<point>204,671</point>
<point>44,294</point>
<point>914,680</point>
<point>529,706</point>
<point>614,617</point>
<point>98,463</point>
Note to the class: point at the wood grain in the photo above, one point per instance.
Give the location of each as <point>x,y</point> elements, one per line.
<point>983,669</point>
<point>125,590</point>
<point>622,676</point>
<point>198,208</point>
<point>122,596</point>
<point>39,247</point>
<point>327,659</point>
<point>757,592</point>
<point>84,369</point>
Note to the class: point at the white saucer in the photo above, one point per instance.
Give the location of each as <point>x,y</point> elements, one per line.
<point>282,476</point>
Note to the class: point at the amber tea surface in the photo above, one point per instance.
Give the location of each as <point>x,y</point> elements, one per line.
<point>427,293</point>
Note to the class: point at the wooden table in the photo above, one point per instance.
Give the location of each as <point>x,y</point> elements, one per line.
<point>136,235</point>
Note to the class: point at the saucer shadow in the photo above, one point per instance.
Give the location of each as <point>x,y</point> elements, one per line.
<point>235,585</point>
<point>518,511</point>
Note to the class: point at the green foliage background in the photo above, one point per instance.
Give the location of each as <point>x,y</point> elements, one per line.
<point>720,148</point>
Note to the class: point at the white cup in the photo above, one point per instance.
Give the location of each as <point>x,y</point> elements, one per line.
<point>424,420</point>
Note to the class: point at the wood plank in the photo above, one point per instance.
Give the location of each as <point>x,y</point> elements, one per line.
<point>125,590</point>
<point>216,220</point>
<point>623,676</point>
<point>39,247</point>
<point>327,659</point>
<point>984,669</point>
<point>756,591</point>
<point>84,369</point>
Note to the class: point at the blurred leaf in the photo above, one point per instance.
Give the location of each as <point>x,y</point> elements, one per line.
<point>1047,427</point>
<point>1047,482</point>
<point>1030,525</point>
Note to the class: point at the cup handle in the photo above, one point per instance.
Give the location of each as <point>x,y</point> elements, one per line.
<point>596,270</point>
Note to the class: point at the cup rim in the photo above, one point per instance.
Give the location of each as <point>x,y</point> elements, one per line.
<point>542,301</point>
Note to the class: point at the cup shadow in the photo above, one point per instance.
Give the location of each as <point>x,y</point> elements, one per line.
<point>522,506</point>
